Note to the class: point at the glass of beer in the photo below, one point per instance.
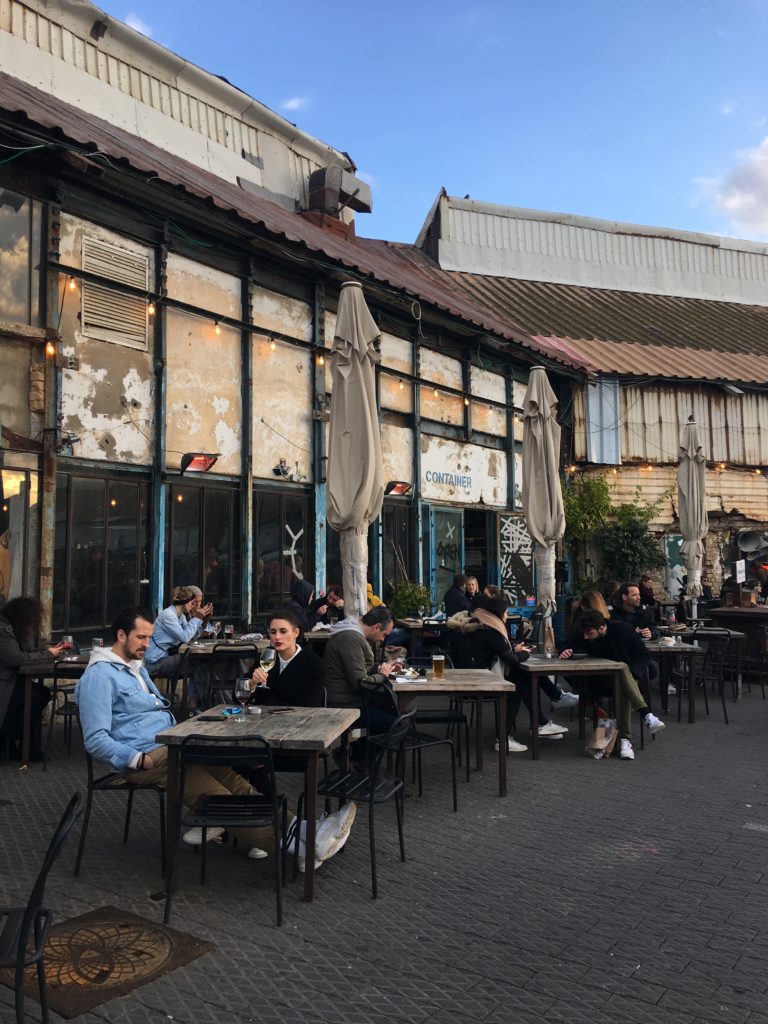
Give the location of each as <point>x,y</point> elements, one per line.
<point>438,666</point>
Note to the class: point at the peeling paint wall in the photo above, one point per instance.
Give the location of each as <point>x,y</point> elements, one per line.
<point>282,409</point>
<point>203,407</point>
<point>397,452</point>
<point>493,386</point>
<point>107,401</point>
<point>396,357</point>
<point>273,312</point>
<point>465,473</point>
<point>441,369</point>
<point>203,286</point>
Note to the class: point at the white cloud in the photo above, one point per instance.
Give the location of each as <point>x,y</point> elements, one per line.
<point>742,194</point>
<point>295,103</point>
<point>134,21</point>
<point>727,108</point>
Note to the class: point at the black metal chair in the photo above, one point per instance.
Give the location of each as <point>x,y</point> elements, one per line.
<point>415,743</point>
<point>373,787</point>
<point>220,683</point>
<point>754,662</point>
<point>712,670</point>
<point>24,930</point>
<point>233,811</point>
<point>452,716</point>
<point>67,710</point>
<point>115,783</point>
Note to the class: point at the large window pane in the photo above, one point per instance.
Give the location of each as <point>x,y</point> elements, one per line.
<point>86,607</point>
<point>19,258</point>
<point>396,544</point>
<point>282,550</point>
<point>185,536</point>
<point>13,526</point>
<point>216,567</point>
<point>122,547</point>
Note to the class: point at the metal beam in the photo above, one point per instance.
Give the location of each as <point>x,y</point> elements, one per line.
<point>320,453</point>
<point>246,452</point>
<point>158,497</point>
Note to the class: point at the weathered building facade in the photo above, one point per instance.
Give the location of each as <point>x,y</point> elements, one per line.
<point>166,289</point>
<point>669,324</point>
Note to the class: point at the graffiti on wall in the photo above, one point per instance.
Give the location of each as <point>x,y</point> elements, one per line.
<point>516,557</point>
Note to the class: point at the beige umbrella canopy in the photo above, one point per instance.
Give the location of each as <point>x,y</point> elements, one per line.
<point>541,492</point>
<point>692,505</point>
<point>355,475</point>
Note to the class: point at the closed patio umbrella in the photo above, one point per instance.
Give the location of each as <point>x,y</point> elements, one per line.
<point>692,505</point>
<point>541,491</point>
<point>355,474</point>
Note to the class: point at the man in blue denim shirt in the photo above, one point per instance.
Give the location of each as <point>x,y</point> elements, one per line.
<point>121,712</point>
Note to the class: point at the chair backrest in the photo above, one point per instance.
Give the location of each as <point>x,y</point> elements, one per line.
<point>252,752</point>
<point>718,644</point>
<point>395,742</point>
<point>64,827</point>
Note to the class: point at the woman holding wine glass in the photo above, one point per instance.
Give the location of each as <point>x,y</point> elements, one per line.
<point>288,673</point>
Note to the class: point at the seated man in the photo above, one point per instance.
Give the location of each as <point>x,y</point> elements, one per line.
<point>455,598</point>
<point>350,673</point>
<point>606,638</point>
<point>177,624</point>
<point>121,711</point>
<point>628,607</point>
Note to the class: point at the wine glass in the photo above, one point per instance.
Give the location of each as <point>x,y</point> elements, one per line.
<point>215,628</point>
<point>243,693</point>
<point>267,658</point>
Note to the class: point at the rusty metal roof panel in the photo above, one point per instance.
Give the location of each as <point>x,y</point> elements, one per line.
<point>630,333</point>
<point>402,267</point>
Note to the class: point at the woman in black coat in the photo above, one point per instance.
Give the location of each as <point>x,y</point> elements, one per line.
<point>298,676</point>
<point>489,643</point>
<point>19,628</point>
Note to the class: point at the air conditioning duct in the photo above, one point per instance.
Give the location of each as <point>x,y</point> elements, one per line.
<point>331,189</point>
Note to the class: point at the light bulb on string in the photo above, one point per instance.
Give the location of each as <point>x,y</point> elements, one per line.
<point>402,386</point>
<point>434,392</point>
<point>466,401</point>
<point>321,360</point>
<point>217,328</point>
<point>272,345</point>
<point>150,308</point>
<point>50,349</point>
<point>72,284</point>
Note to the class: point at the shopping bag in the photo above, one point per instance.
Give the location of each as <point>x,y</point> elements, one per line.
<point>603,739</point>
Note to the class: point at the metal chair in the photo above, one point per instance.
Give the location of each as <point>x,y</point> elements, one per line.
<point>219,689</point>
<point>67,710</point>
<point>24,930</point>
<point>232,811</point>
<point>712,670</point>
<point>373,787</point>
<point>115,783</point>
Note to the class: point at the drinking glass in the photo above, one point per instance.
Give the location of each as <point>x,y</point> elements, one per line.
<point>267,658</point>
<point>229,632</point>
<point>68,639</point>
<point>243,693</point>
<point>97,642</point>
<point>215,628</point>
<point>438,666</point>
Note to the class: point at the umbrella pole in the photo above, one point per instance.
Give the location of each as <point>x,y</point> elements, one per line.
<point>354,570</point>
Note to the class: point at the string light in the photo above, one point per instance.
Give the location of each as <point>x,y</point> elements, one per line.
<point>216,328</point>
<point>402,386</point>
<point>647,469</point>
<point>272,345</point>
<point>466,401</point>
<point>720,467</point>
<point>179,498</point>
<point>434,392</point>
<point>758,472</point>
<point>72,284</point>
<point>150,308</point>
<point>321,360</point>
<point>615,471</point>
<point>50,349</point>
<point>113,502</point>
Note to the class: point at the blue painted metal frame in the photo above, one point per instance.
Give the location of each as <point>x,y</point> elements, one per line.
<point>158,493</point>
<point>320,462</point>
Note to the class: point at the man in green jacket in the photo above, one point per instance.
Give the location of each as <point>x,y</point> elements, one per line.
<point>350,673</point>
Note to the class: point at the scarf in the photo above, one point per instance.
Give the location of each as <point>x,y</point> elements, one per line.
<point>492,622</point>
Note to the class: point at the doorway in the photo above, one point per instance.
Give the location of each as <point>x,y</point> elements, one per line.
<point>480,546</point>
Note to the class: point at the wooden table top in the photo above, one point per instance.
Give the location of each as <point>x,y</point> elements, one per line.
<point>570,666</point>
<point>457,680</point>
<point>410,623</point>
<point>656,647</point>
<point>203,648</point>
<point>292,729</point>
<point>704,631</point>
<point>759,611</point>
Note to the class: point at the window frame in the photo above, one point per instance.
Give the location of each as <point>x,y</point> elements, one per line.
<point>306,495</point>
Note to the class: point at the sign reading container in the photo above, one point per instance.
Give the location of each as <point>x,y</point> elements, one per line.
<point>467,473</point>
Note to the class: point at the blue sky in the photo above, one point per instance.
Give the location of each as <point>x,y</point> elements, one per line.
<point>651,112</point>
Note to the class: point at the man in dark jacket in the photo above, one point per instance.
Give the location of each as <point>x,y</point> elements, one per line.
<point>455,598</point>
<point>606,638</point>
<point>628,607</point>
<point>350,672</point>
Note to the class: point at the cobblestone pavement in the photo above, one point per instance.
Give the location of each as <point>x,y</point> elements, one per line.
<point>597,892</point>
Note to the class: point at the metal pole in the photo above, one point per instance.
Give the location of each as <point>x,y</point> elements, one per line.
<point>158,495</point>
<point>246,451</point>
<point>320,453</point>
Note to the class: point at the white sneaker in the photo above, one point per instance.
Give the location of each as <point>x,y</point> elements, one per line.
<point>513,747</point>
<point>256,853</point>
<point>194,837</point>
<point>333,831</point>
<point>552,729</point>
<point>626,753</point>
<point>567,699</point>
<point>653,724</point>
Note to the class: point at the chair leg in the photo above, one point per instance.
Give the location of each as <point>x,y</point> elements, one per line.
<point>278,871</point>
<point>400,812</point>
<point>161,795</point>
<point>372,844</point>
<point>722,699</point>
<point>18,990</point>
<point>203,856</point>
<point>83,831</point>
<point>466,745</point>
<point>128,809</point>
<point>43,991</point>
<point>418,754</point>
<point>452,751</point>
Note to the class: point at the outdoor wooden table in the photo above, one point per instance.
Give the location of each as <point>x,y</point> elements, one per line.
<point>675,651</point>
<point>536,667</point>
<point>71,667</point>
<point>317,636</point>
<point>303,732</point>
<point>691,633</point>
<point>466,682</point>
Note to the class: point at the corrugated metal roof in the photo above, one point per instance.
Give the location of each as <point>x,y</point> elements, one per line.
<point>388,263</point>
<point>632,334</point>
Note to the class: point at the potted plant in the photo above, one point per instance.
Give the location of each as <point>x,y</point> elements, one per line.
<point>408,598</point>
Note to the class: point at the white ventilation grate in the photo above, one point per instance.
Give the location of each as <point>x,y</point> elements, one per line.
<point>110,315</point>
